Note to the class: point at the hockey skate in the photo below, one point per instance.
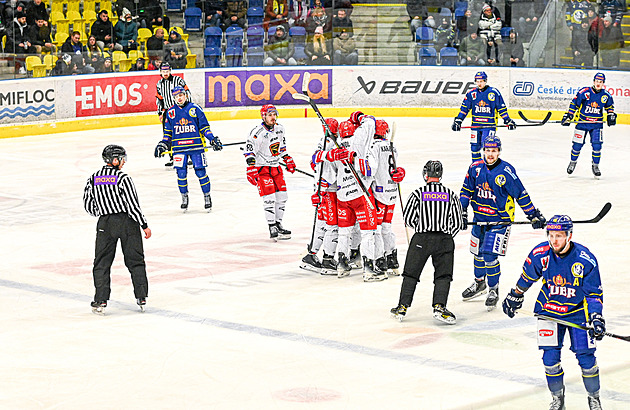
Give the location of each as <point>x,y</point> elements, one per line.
<point>99,307</point>
<point>493,298</point>
<point>478,288</point>
<point>207,201</point>
<point>399,312</point>
<point>329,266</point>
<point>596,171</point>
<point>343,266</point>
<point>283,234</point>
<point>371,271</point>
<point>184,205</point>
<point>392,263</point>
<point>557,402</point>
<point>355,259</point>
<point>571,167</point>
<point>141,303</point>
<point>311,263</point>
<point>381,263</point>
<point>273,232</point>
<point>594,403</point>
<point>441,313</point>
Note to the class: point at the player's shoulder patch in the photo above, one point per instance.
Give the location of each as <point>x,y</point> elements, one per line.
<point>541,249</point>
<point>491,96</point>
<point>192,111</point>
<point>171,113</point>
<point>500,180</point>
<point>583,90</point>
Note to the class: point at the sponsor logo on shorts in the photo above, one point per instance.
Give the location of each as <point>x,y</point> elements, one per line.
<point>545,332</point>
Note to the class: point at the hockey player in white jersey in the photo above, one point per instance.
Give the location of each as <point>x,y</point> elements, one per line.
<point>264,148</point>
<point>385,191</point>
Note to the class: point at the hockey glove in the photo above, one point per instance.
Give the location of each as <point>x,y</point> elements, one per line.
<point>252,175</point>
<point>398,175</point>
<point>317,199</point>
<point>598,325</point>
<point>611,119</point>
<point>215,143</point>
<point>464,220</point>
<point>537,219</point>
<point>457,124</point>
<point>290,163</point>
<point>355,118</point>
<point>339,154</point>
<point>313,165</point>
<point>160,149</point>
<point>566,119</point>
<point>513,302</point>
<point>511,125</point>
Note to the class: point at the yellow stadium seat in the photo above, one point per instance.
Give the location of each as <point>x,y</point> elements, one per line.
<point>60,21</point>
<point>73,5</point>
<point>191,60</point>
<point>50,60</point>
<point>134,55</point>
<point>60,38</point>
<point>90,17</point>
<point>35,67</point>
<point>89,5</point>
<point>77,21</point>
<point>120,59</point>
<point>143,34</point>
<point>56,6</point>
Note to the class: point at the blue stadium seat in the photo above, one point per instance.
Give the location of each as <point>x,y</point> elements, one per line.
<point>505,32</point>
<point>448,56</point>
<point>271,32</point>
<point>234,56</point>
<point>212,56</point>
<point>174,5</point>
<point>298,37</point>
<point>459,13</point>
<point>192,19</point>
<point>255,56</point>
<point>255,36</point>
<point>213,36</point>
<point>234,36</point>
<point>427,56</point>
<point>444,12</point>
<point>256,3</point>
<point>255,16</point>
<point>424,36</point>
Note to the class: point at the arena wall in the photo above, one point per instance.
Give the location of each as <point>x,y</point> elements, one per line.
<point>62,104</point>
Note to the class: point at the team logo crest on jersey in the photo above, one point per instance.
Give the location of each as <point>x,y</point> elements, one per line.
<point>274,148</point>
<point>192,112</point>
<point>491,97</point>
<point>183,121</point>
<point>604,99</point>
<point>594,104</point>
<point>171,114</point>
<point>558,280</point>
<point>577,270</point>
<point>500,180</point>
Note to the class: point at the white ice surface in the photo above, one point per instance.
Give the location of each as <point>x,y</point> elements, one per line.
<point>233,323</point>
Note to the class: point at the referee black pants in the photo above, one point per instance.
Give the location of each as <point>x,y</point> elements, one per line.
<point>441,248</point>
<point>109,229</point>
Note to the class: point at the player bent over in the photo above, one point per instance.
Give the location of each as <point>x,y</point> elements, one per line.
<point>590,103</point>
<point>485,102</point>
<point>326,229</point>
<point>264,147</point>
<point>571,291</point>
<point>491,186</point>
<point>185,128</point>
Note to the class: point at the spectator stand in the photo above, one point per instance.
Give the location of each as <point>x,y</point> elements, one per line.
<point>297,35</point>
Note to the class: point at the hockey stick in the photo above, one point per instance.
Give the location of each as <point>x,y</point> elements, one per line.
<point>205,148</point>
<point>557,121</point>
<point>285,165</point>
<point>530,124</point>
<point>304,97</point>
<point>391,150</point>
<point>575,325</point>
<point>233,143</point>
<point>594,220</point>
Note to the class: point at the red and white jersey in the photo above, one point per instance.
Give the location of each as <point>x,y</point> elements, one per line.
<point>265,145</point>
<point>385,190</point>
<point>329,173</point>
<point>348,187</point>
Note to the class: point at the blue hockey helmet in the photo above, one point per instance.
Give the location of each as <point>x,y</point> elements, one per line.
<point>560,223</point>
<point>177,89</point>
<point>600,76</point>
<point>492,142</point>
<point>481,75</point>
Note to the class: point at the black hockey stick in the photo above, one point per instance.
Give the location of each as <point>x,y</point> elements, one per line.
<point>305,97</point>
<point>556,121</point>
<point>393,157</point>
<point>233,143</point>
<point>528,124</point>
<point>594,220</point>
<point>575,325</point>
<point>285,165</point>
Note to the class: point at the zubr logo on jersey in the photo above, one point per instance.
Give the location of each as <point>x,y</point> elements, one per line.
<point>259,87</point>
<point>115,95</point>
<point>523,88</point>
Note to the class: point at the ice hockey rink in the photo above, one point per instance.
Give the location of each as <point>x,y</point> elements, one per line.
<point>232,322</point>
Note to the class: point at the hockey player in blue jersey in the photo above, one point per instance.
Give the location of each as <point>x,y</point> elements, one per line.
<point>491,187</point>
<point>571,291</point>
<point>185,129</point>
<point>590,103</point>
<point>486,104</point>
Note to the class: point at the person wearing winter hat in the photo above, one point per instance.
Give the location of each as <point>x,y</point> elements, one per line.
<point>127,31</point>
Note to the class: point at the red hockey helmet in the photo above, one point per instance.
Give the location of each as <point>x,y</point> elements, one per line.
<point>346,129</point>
<point>333,125</point>
<point>382,128</point>
<point>268,108</point>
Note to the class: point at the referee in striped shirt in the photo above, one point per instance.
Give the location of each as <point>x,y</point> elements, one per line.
<point>111,195</point>
<point>164,95</point>
<point>435,214</point>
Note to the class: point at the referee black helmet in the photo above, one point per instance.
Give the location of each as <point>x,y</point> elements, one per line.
<point>432,169</point>
<point>112,151</point>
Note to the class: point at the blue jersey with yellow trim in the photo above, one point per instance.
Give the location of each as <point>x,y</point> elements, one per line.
<point>572,287</point>
<point>590,105</point>
<point>491,190</point>
<point>185,126</point>
<point>485,104</point>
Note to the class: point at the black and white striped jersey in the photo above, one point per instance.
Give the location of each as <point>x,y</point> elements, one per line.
<point>111,191</point>
<point>164,88</point>
<point>434,208</point>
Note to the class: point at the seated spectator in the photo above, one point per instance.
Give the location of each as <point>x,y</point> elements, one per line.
<point>17,36</point>
<point>608,41</point>
<point>151,15</point>
<point>429,22</point>
<point>513,52</point>
<point>94,55</point>
<point>472,50</point>
<point>418,13</point>
<point>235,13</point>
<point>342,23</point>
<point>155,45</point>
<point>612,8</point>
<point>63,67</point>
<point>333,6</point>
<point>213,10</point>
<point>492,48</point>
<point>527,24</point>
<point>36,10</point>
<point>465,25</point>
<point>276,12</point>
<point>317,50</point>
<point>139,65</point>
<point>298,13</point>
<point>490,25</point>
<point>175,50</point>
<point>154,65</point>
<point>104,32</point>
<point>126,32</point>
<point>345,52</point>
<point>108,66</point>
<point>582,53</point>
<point>39,36</point>
<point>318,18</point>
<point>73,44</point>
<point>575,11</point>
<point>79,66</point>
<point>280,49</point>
<point>444,35</point>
